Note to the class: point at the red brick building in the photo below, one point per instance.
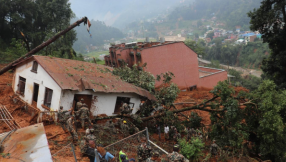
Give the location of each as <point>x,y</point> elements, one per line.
<point>175,57</point>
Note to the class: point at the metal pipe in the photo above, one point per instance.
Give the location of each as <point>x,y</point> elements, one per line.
<point>158,147</point>
<point>73,152</point>
<point>147,136</point>
<point>43,45</point>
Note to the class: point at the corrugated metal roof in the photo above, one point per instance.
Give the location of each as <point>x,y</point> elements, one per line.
<point>79,75</point>
<point>27,144</point>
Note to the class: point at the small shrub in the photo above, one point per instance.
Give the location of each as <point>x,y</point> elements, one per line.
<point>193,150</point>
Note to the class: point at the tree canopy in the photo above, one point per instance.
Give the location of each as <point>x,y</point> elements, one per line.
<point>34,22</point>
<point>269,19</point>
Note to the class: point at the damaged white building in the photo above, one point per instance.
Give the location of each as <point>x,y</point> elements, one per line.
<point>49,82</point>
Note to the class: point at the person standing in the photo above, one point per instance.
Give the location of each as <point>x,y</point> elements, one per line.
<point>166,132</point>
<point>143,151</point>
<point>84,115</point>
<point>154,158</point>
<point>175,156</point>
<point>125,129</point>
<point>73,133</point>
<point>125,109</point>
<point>63,118</point>
<point>214,149</point>
<point>159,131</point>
<point>79,104</point>
<point>90,150</point>
<point>122,152</point>
<point>188,131</point>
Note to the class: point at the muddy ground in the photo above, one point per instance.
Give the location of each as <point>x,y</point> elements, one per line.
<point>58,139</point>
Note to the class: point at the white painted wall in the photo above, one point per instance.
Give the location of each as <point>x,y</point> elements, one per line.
<point>43,79</point>
<point>105,103</point>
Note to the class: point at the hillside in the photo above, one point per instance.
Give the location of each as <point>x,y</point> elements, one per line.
<point>233,13</point>
<point>247,56</point>
<point>99,33</point>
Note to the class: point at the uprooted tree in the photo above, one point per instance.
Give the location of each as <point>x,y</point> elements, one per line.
<point>251,123</point>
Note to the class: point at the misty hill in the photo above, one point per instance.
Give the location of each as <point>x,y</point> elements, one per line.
<point>233,13</point>
<point>99,31</point>
<point>119,13</point>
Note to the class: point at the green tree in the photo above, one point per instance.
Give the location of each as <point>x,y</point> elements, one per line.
<point>210,35</point>
<point>261,121</point>
<point>38,21</point>
<point>192,150</point>
<point>196,47</point>
<point>269,19</point>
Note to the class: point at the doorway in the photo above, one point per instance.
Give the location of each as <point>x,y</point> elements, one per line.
<point>87,100</point>
<point>35,94</point>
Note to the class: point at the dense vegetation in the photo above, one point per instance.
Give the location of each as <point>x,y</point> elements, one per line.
<point>99,32</point>
<point>38,21</point>
<point>261,121</point>
<point>233,13</point>
<point>270,21</point>
<point>249,56</point>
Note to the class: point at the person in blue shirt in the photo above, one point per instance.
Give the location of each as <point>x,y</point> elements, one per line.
<point>107,156</point>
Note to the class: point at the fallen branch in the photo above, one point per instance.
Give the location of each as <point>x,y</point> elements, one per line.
<point>196,107</point>
<point>182,103</point>
<point>200,106</point>
<point>55,136</point>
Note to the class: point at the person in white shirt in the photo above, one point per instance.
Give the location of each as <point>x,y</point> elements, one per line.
<point>166,132</point>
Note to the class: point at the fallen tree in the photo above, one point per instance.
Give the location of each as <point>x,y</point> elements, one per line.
<point>196,107</point>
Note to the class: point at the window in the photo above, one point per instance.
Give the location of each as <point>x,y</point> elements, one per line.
<point>48,97</point>
<point>21,86</point>
<point>35,67</point>
<point>119,102</point>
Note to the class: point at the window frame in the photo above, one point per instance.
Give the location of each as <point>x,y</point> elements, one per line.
<point>35,67</point>
<point>48,97</point>
<point>21,82</point>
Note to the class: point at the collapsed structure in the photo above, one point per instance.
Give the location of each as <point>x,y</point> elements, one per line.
<point>26,144</point>
<point>162,57</point>
<point>49,82</point>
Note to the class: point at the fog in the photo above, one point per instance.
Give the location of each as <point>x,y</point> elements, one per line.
<point>119,13</point>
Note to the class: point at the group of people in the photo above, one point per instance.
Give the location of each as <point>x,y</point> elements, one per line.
<point>172,133</point>
<point>144,154</point>
<point>67,121</point>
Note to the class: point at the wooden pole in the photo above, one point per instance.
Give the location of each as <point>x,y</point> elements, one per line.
<point>43,45</point>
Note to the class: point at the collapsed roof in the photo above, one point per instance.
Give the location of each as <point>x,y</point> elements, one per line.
<point>80,75</point>
<point>26,144</point>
